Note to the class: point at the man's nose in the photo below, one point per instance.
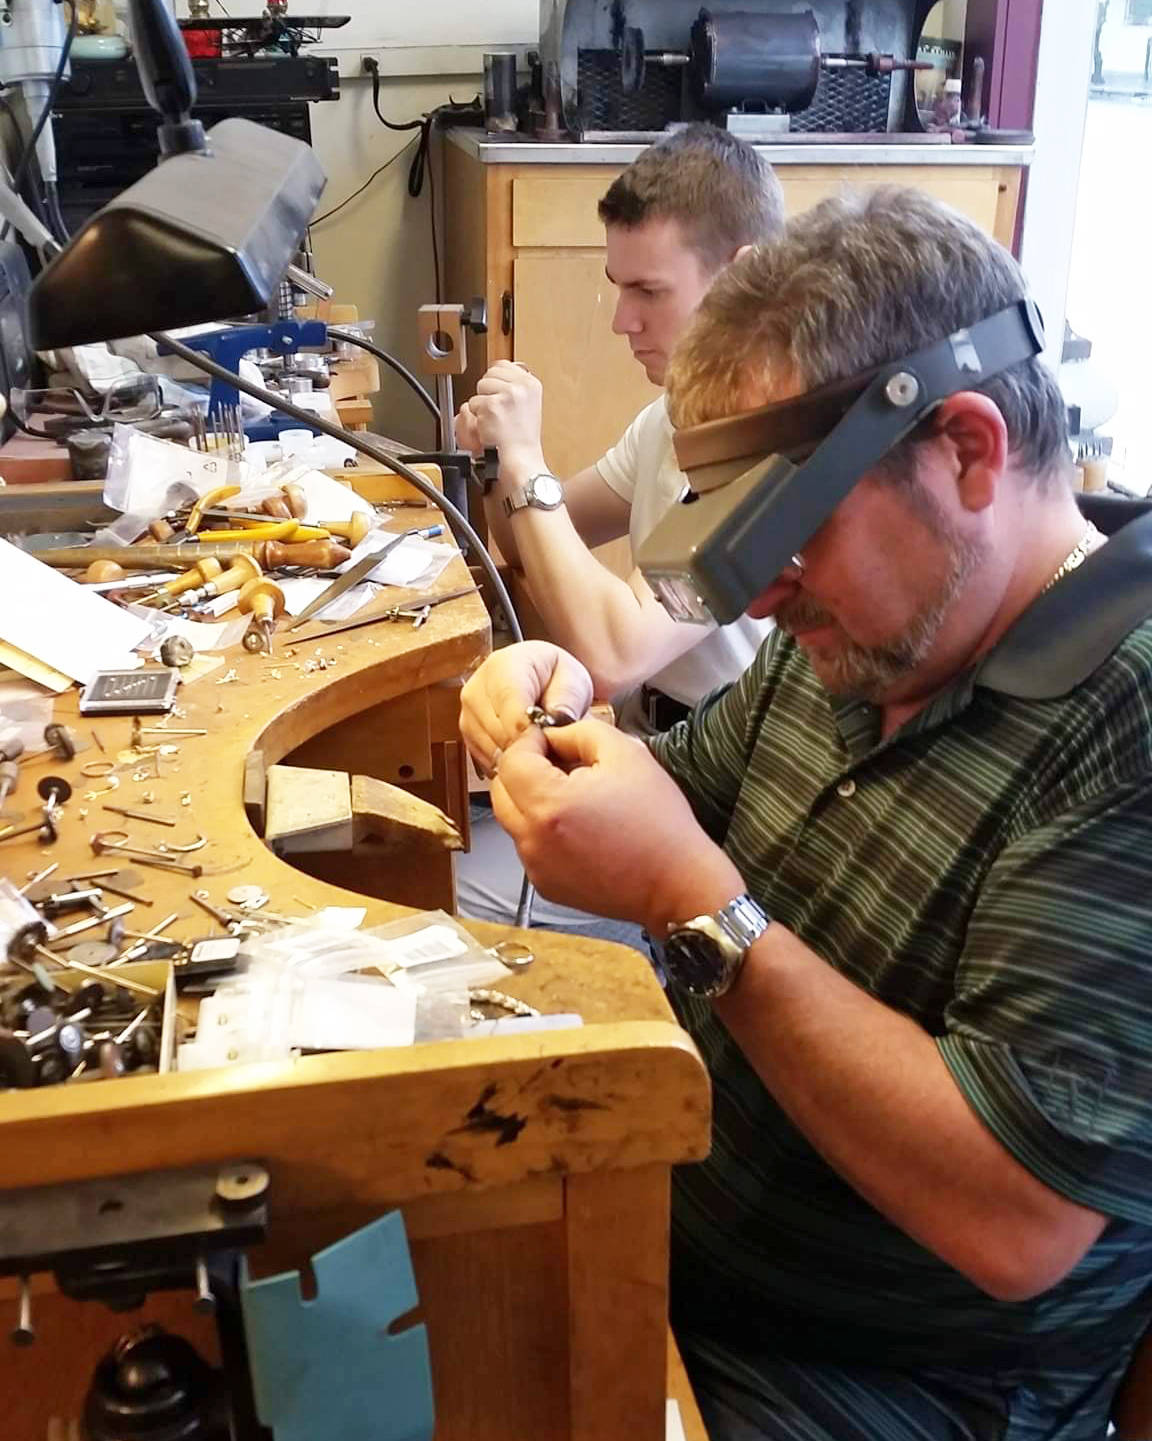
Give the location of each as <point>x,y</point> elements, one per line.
<point>624,319</point>
<point>786,586</point>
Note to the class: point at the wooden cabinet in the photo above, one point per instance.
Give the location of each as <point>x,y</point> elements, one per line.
<point>528,238</point>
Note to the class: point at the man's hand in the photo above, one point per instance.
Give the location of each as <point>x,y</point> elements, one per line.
<point>505,412</point>
<point>601,826</point>
<point>494,702</point>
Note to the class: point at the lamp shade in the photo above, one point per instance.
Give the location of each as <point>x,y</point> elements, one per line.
<point>205,236</point>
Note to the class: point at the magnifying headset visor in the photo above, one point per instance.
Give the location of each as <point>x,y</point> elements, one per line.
<point>760,484</point>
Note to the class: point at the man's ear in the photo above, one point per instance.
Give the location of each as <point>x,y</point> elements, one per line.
<point>972,430</point>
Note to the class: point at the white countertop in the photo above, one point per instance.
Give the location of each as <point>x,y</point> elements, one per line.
<point>511,150</point>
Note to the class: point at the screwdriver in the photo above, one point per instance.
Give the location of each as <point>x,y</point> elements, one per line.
<point>265,601</point>
<point>202,572</point>
<point>240,570</point>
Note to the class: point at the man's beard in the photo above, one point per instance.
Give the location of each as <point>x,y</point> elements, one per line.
<point>860,672</point>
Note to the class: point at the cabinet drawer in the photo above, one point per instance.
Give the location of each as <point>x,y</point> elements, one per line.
<point>555,211</point>
<point>559,211</point>
<point>974,190</point>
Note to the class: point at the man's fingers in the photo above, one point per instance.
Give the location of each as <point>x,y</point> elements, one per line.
<point>566,695</point>
<point>506,811</point>
<point>586,743</point>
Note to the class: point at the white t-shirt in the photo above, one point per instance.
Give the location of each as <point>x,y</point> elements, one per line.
<point>641,469</point>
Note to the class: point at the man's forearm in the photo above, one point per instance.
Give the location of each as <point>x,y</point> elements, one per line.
<point>621,636</point>
<point>512,475</point>
<point>868,1088</point>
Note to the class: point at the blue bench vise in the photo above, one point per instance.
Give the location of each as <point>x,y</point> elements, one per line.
<point>228,345</point>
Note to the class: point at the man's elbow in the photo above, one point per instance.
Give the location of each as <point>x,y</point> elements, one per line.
<point>1022,1270</point>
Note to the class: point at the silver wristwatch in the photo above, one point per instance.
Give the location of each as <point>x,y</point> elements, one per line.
<point>542,492</point>
<point>703,956</point>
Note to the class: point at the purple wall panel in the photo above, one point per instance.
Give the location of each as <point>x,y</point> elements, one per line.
<point>1007,34</point>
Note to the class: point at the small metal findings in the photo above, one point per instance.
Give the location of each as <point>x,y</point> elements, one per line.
<point>205,1301</point>
<point>513,954</point>
<point>61,739</point>
<point>546,720</point>
<point>251,898</point>
<point>54,790</point>
<point>110,1060</point>
<point>505,1002</point>
<point>92,953</point>
<point>97,770</point>
<point>902,389</point>
<point>177,650</point>
<point>241,1185</point>
<point>24,1332</point>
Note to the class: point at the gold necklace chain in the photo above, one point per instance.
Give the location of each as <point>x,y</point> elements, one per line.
<point>1076,556</point>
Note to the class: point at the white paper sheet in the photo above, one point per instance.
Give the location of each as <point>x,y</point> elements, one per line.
<point>202,635</point>
<point>352,1016</point>
<point>673,1423</point>
<point>415,562</point>
<point>301,591</point>
<point>328,499</point>
<point>60,622</point>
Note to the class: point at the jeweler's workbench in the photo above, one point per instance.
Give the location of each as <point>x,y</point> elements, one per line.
<point>540,1244</point>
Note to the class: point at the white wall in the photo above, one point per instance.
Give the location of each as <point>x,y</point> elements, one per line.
<point>377,251</point>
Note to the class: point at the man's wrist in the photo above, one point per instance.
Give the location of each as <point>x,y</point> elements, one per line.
<point>518,466</point>
<point>709,890</point>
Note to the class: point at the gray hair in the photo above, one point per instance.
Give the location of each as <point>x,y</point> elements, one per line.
<point>858,281</point>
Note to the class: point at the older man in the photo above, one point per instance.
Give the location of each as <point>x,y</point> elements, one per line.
<point>902,870</point>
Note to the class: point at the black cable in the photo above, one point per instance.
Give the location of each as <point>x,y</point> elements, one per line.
<point>432,219</point>
<point>373,67</point>
<point>421,162</point>
<point>357,442</point>
<point>328,214</point>
<point>393,364</point>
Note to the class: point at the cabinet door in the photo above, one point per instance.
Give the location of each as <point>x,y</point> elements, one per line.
<point>563,334</point>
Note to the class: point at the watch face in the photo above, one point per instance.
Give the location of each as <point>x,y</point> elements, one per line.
<point>694,962</point>
<point>547,490</point>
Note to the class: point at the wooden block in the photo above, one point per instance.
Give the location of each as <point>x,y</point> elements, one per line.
<point>255,790</point>
<point>308,810</point>
<point>400,819</point>
<point>354,413</point>
<point>617,1228</point>
<point>24,461</point>
<point>376,483</point>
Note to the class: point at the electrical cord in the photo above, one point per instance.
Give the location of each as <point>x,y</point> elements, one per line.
<point>393,364</point>
<point>373,452</point>
<point>328,214</point>
<point>421,161</point>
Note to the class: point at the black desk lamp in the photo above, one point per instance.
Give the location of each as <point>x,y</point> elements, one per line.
<point>206,235</point>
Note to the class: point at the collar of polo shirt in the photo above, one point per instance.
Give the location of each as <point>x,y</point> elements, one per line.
<point>1072,629</point>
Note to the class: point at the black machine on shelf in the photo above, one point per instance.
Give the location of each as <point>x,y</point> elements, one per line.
<point>106,133</point>
<point>761,68</point>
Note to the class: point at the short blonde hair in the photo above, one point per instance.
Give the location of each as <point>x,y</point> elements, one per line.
<point>854,283</point>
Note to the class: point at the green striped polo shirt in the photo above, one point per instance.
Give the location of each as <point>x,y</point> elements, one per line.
<point>987,871</point>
